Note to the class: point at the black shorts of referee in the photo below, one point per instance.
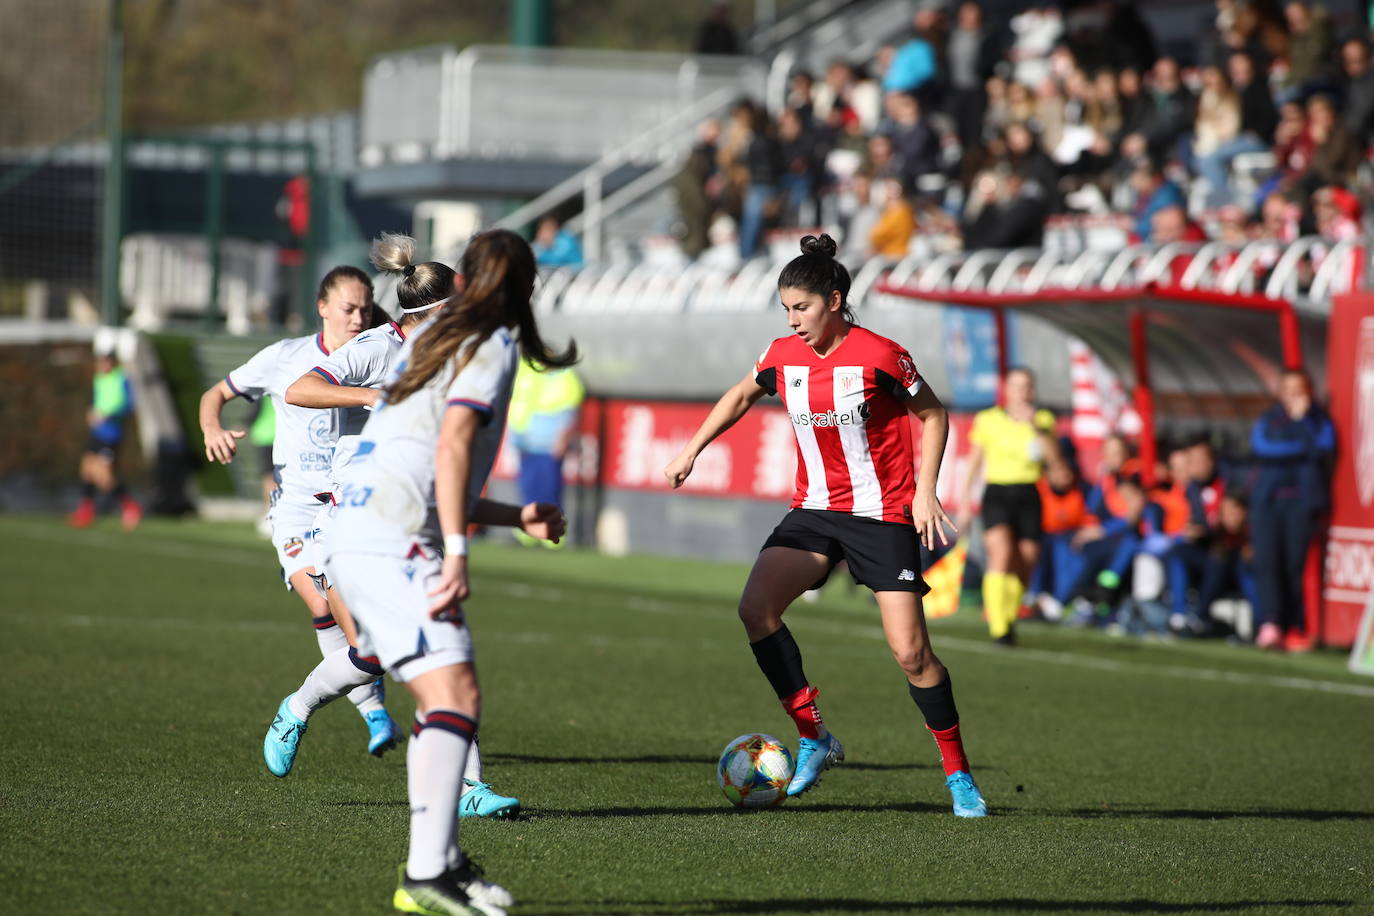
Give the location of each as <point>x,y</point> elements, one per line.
<point>884,556</point>
<point>1014,504</point>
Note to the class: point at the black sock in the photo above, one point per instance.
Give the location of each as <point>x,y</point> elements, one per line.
<point>936,703</point>
<point>120,492</point>
<point>88,491</point>
<point>780,661</point>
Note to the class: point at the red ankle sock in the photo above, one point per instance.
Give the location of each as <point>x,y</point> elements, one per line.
<point>801,706</point>
<point>951,748</point>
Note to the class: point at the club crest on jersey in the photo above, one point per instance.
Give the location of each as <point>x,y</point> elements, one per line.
<point>848,381</point>
<point>293,547</point>
<point>908,369</point>
<point>321,429</point>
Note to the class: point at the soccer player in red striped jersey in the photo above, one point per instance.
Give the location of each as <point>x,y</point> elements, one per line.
<point>849,393</point>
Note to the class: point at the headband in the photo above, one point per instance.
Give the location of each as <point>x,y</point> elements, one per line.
<point>425,308</point>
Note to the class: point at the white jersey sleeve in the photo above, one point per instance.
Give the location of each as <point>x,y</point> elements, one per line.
<point>363,363</point>
<point>254,378</point>
<point>481,383</point>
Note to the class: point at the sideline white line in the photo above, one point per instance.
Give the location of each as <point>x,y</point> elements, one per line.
<point>210,552</point>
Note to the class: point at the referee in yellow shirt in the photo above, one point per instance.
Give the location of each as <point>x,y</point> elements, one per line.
<point>1011,444</point>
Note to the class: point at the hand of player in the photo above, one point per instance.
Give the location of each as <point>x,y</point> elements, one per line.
<point>220,446</point>
<point>543,520</point>
<point>930,519</point>
<point>452,590</point>
<point>679,469</point>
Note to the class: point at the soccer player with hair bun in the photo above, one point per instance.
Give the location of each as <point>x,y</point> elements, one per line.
<point>397,548</point>
<point>850,394</point>
<point>301,458</point>
<point>350,382</point>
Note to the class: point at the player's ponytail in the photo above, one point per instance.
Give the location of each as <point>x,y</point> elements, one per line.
<point>499,270</point>
<point>421,287</point>
<point>816,271</point>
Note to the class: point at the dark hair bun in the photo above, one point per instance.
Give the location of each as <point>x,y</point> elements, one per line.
<point>824,246</point>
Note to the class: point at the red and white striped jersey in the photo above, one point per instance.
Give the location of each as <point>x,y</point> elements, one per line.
<point>849,413</point>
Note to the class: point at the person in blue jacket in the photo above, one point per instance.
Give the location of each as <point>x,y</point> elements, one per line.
<point>1292,443</point>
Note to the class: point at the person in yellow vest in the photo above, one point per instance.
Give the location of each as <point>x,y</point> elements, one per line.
<point>544,409</point>
<point>1011,444</point>
<point>112,403</point>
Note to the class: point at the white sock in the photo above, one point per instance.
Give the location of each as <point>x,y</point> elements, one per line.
<point>434,762</point>
<point>330,637</point>
<point>333,677</point>
<point>473,769</point>
<point>368,697</point>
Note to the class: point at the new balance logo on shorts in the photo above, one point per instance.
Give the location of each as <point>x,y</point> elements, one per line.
<point>906,575</point>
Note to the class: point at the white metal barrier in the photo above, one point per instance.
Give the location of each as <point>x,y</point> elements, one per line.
<point>162,275</point>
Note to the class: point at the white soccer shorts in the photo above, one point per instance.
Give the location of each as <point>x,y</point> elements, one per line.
<point>389,599</point>
<point>293,530</point>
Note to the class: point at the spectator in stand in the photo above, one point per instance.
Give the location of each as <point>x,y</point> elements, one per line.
<point>801,158</point>
<point>1230,564</point>
<point>717,34</point>
<point>555,247</point>
<point>1129,41</point>
<point>863,213</point>
<point>1035,32</point>
<point>1233,228</point>
<point>914,67</point>
<point>1170,111</point>
<point>1311,51</point>
<point>732,155</point>
<point>1256,28</point>
<point>1049,117</point>
<point>997,110</point>
<point>693,203</point>
<point>882,160</point>
<point>1064,513</point>
<point>914,143</point>
<point>1335,152</point>
<point>801,95</point>
<point>1153,192</point>
<point>764,163</point>
<point>1135,105</point>
<point>1292,444</point>
<point>845,87</point>
<point>1105,113</point>
<point>1028,160</point>
<point>1021,104</point>
<point>1218,125</point>
<point>1013,215</point>
<point>1337,213</point>
<point>891,235</point>
<point>972,53</point>
<point>1357,88</point>
<point>1257,122</point>
<point>1293,144</point>
<point>1171,224</point>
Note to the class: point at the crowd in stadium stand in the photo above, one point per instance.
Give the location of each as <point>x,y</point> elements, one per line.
<point>969,132</point>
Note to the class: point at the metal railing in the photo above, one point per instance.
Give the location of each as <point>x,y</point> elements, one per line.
<point>548,104</point>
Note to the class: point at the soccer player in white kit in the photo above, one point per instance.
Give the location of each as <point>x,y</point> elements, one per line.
<point>350,381</point>
<point>301,458</point>
<point>397,552</point>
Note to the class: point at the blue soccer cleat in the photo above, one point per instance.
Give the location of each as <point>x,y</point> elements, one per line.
<point>283,739</point>
<point>813,757</point>
<point>383,733</point>
<point>968,801</point>
<point>481,801</point>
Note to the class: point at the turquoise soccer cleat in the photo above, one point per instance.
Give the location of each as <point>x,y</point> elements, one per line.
<point>383,733</point>
<point>813,757</point>
<point>283,740</point>
<point>481,801</point>
<point>968,801</point>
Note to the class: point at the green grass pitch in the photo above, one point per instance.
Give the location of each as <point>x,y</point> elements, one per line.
<point>140,672</point>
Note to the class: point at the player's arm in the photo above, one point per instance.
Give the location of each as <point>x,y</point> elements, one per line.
<point>452,473</point>
<point>315,390</point>
<point>540,520</point>
<point>731,406</point>
<point>220,443</point>
<point>926,512</point>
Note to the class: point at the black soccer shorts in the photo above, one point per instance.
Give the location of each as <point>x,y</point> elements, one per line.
<point>884,556</point>
<point>1017,505</point>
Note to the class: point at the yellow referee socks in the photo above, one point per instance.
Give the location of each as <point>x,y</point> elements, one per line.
<point>995,592</point>
<point>1016,590</point>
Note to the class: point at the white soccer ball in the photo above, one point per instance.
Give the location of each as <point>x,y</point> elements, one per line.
<point>754,771</point>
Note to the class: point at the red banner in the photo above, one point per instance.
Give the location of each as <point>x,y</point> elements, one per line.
<point>1350,548</point>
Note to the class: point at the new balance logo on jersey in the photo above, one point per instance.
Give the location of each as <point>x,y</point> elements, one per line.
<point>853,417</point>
<point>796,383</point>
<point>906,575</point>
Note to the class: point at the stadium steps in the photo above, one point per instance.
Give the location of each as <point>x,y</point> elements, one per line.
<point>215,357</point>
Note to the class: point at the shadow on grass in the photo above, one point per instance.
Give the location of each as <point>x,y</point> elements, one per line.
<point>797,808</point>
<point>679,758</point>
<point>1198,814</point>
<point>854,905</point>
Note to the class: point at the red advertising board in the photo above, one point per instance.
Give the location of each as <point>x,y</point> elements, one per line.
<point>1350,548</point>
